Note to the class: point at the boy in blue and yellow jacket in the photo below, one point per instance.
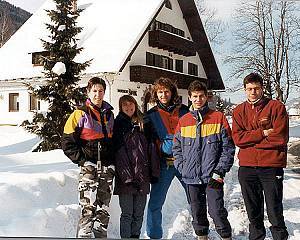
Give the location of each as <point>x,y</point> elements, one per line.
<point>204,152</point>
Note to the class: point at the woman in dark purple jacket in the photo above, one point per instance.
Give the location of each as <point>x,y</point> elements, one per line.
<point>132,161</point>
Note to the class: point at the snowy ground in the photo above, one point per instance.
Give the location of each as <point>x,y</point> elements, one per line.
<point>38,196</point>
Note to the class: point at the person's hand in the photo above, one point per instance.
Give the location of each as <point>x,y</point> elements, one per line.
<point>216,181</point>
<point>267,132</point>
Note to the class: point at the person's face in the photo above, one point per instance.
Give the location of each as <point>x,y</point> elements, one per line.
<point>128,108</point>
<point>254,91</point>
<point>164,95</point>
<point>96,94</point>
<point>198,99</point>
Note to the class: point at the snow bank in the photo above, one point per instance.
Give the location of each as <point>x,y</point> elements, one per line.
<point>39,196</point>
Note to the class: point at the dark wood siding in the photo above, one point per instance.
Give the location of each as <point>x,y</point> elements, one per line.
<point>148,74</point>
<point>172,43</point>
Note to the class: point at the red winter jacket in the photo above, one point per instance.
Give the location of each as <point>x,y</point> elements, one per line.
<point>248,124</point>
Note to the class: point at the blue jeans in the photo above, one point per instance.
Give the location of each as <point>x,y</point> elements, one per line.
<point>157,198</point>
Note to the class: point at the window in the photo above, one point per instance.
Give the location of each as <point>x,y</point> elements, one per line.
<point>14,102</point>
<point>38,57</point>
<point>150,59</point>
<point>153,59</point>
<point>193,69</point>
<point>34,103</point>
<point>179,65</point>
<point>167,63</point>
<point>159,61</point>
<point>168,4</point>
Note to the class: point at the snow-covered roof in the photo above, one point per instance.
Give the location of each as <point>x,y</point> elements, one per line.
<point>111,28</point>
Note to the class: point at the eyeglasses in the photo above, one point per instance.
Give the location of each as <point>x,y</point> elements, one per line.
<point>256,89</point>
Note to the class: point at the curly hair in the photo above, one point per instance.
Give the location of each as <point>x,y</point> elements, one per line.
<point>163,82</point>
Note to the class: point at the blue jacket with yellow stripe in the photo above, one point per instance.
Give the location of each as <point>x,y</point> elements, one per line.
<point>202,144</point>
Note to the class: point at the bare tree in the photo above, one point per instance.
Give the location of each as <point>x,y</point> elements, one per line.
<point>5,26</point>
<point>214,26</point>
<point>267,41</point>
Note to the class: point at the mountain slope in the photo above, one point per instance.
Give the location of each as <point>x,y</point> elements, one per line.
<point>11,18</point>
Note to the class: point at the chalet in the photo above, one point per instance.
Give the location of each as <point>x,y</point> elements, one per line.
<point>131,42</point>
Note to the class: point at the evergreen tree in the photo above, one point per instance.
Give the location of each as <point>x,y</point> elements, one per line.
<point>61,90</point>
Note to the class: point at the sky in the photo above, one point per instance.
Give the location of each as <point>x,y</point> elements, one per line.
<point>224,7</point>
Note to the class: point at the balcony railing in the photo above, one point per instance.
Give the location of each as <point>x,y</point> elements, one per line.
<point>148,74</point>
<point>171,42</point>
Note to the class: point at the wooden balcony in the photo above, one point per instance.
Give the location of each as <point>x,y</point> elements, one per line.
<point>171,42</point>
<point>148,74</point>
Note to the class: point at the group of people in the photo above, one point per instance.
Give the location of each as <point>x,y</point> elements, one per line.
<point>143,154</point>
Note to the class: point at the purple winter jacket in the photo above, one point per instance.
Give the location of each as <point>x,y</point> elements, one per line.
<point>132,158</point>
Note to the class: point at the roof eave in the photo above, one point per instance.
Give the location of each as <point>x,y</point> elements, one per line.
<point>202,45</point>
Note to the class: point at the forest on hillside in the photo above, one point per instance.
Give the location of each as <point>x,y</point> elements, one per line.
<point>11,19</point>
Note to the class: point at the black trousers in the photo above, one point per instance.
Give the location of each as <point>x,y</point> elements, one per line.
<point>215,202</point>
<point>259,183</point>
<point>132,213</point>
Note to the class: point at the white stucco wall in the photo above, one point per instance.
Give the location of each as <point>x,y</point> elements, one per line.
<point>16,117</point>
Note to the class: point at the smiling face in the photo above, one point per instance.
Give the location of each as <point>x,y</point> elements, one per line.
<point>96,94</point>
<point>164,95</point>
<point>254,91</point>
<point>198,99</point>
<point>128,108</point>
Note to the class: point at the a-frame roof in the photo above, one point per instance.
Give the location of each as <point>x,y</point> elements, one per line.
<point>111,31</point>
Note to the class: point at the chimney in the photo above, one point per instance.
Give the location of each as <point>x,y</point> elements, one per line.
<point>74,5</point>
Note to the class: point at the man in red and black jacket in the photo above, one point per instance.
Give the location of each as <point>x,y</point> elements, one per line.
<point>260,130</point>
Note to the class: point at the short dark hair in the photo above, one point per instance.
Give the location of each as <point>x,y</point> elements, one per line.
<point>253,78</point>
<point>95,80</point>
<point>167,83</point>
<point>197,86</point>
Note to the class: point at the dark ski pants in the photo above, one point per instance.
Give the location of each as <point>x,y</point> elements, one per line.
<point>132,212</point>
<point>157,198</point>
<point>198,195</point>
<point>259,183</point>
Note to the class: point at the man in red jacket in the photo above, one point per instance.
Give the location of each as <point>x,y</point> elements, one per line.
<point>260,130</point>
